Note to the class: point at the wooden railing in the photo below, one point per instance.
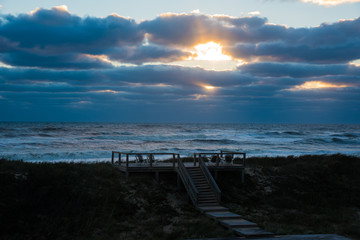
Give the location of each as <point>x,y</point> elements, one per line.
<point>210,179</point>
<point>215,157</point>
<point>188,182</point>
<point>146,158</point>
<point>232,154</point>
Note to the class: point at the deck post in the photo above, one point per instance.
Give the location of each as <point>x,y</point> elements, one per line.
<point>150,156</point>
<point>243,176</point>
<point>127,161</point>
<point>217,160</point>
<point>194,159</point>
<point>119,158</point>
<point>173,160</point>
<point>112,157</point>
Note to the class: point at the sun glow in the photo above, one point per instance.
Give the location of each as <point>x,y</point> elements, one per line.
<point>317,85</point>
<point>210,51</point>
<point>209,87</point>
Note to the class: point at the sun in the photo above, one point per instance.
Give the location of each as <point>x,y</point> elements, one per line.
<point>210,51</point>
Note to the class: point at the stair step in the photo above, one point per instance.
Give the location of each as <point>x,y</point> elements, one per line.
<point>203,200</point>
<point>201,205</point>
<point>206,194</point>
<point>207,199</point>
<point>237,223</point>
<point>223,215</point>
<point>217,208</point>
<point>253,232</point>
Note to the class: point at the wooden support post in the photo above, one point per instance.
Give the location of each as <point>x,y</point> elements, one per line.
<point>174,160</point>
<point>243,176</point>
<point>179,182</point>
<point>217,160</point>
<point>194,159</point>
<point>150,156</point>
<point>127,161</point>
<point>112,157</point>
<point>119,158</point>
<point>157,176</point>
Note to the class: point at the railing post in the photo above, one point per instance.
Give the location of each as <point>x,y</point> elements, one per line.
<point>173,160</point>
<point>217,160</point>
<point>112,157</point>
<point>119,158</point>
<point>150,156</point>
<point>127,160</point>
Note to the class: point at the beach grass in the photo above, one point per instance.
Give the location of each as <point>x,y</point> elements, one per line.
<point>285,195</point>
<point>94,201</point>
<point>298,195</point>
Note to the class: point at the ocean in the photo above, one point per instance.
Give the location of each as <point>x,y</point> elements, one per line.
<point>93,142</point>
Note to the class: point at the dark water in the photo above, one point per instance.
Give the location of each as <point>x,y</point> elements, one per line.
<point>95,141</point>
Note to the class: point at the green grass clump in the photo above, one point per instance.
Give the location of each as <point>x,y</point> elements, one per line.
<point>298,195</point>
<point>93,201</point>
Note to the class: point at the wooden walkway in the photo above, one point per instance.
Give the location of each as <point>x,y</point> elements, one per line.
<point>202,188</point>
<point>199,183</point>
<point>128,162</point>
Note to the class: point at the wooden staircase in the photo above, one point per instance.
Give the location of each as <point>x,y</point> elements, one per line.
<point>206,195</point>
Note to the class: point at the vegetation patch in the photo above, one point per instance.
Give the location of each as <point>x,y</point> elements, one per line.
<point>94,201</point>
<point>298,195</point>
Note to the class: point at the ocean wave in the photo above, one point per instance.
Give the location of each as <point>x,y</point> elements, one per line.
<point>214,141</point>
<point>346,135</point>
<point>295,133</point>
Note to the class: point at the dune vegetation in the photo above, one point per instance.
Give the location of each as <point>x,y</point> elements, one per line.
<point>285,195</point>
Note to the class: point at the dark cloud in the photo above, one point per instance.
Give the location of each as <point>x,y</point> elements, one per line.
<point>60,65</point>
<point>271,69</point>
<point>147,53</point>
<point>281,52</point>
<point>59,61</point>
<point>57,30</point>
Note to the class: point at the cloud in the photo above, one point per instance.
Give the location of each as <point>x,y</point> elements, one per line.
<point>147,53</point>
<point>330,2</point>
<point>56,30</point>
<point>92,68</point>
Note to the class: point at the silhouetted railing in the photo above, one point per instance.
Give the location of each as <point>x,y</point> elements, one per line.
<point>188,182</point>
<point>142,159</point>
<point>209,178</point>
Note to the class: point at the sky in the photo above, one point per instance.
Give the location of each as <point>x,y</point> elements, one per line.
<point>230,61</point>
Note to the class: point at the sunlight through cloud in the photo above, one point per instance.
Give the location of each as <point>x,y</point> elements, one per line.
<point>210,51</point>
<point>311,85</point>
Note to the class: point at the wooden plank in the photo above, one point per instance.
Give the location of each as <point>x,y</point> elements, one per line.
<point>223,215</point>
<point>213,209</point>
<point>237,223</point>
<point>252,232</point>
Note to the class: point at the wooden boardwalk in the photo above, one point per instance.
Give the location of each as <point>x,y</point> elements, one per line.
<point>128,162</point>
<point>202,188</point>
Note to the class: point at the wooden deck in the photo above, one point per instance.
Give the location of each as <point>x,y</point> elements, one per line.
<point>222,161</point>
<point>168,162</point>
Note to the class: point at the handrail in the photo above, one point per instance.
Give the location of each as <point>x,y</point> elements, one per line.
<point>149,160</point>
<point>210,179</point>
<point>232,153</point>
<point>188,183</point>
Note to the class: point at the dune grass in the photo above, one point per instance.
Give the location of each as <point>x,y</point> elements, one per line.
<point>94,201</point>
<point>298,195</point>
<point>285,195</point>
